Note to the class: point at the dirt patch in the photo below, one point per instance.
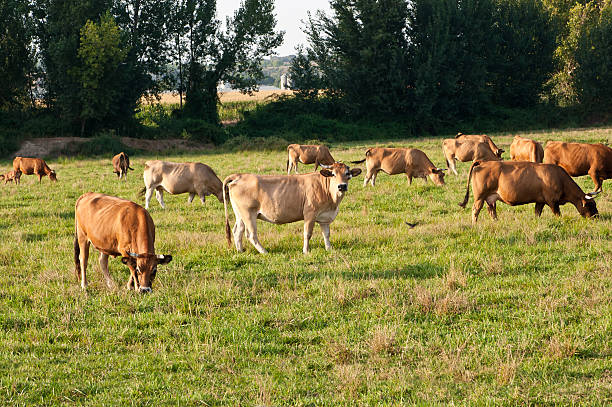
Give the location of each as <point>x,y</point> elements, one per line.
<point>56,146</point>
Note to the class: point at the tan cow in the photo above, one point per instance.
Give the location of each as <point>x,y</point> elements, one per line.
<point>31,166</point>
<point>524,149</point>
<point>482,138</point>
<point>313,197</point>
<point>581,159</point>
<point>522,182</point>
<point>307,154</point>
<point>410,161</point>
<point>116,227</point>
<point>468,148</point>
<point>11,176</point>
<point>121,165</point>
<point>180,178</point>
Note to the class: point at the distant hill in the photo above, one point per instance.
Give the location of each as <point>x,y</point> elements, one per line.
<point>273,68</point>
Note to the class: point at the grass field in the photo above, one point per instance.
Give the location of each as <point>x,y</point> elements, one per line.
<point>517,311</point>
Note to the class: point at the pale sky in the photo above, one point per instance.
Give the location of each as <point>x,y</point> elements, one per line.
<point>289,14</point>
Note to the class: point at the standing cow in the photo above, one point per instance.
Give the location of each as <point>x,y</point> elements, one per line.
<point>410,161</point>
<point>522,182</point>
<point>116,227</point>
<point>121,165</point>
<point>307,154</point>
<point>313,197</point>
<point>11,176</point>
<point>524,149</point>
<point>32,166</point>
<point>581,159</point>
<point>468,148</point>
<point>481,138</point>
<point>180,178</point>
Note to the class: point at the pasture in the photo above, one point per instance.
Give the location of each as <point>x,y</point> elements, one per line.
<point>517,311</point>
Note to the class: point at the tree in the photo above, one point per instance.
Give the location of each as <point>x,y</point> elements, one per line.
<point>305,76</point>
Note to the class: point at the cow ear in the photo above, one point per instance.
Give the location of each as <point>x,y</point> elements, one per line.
<point>164,258</point>
<point>355,172</point>
<point>326,173</point>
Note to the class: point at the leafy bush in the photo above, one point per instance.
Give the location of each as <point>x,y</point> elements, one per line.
<point>102,144</point>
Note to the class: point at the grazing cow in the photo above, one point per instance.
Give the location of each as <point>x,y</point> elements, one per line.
<point>482,138</point>
<point>581,159</point>
<point>410,161</point>
<point>116,227</point>
<point>30,166</point>
<point>11,176</point>
<point>524,149</point>
<point>468,148</point>
<point>522,182</point>
<point>313,197</point>
<point>180,178</point>
<point>307,155</point>
<point>121,165</point>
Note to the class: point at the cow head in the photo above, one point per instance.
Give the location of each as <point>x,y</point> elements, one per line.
<point>499,153</point>
<point>589,208</point>
<point>52,176</point>
<point>339,174</point>
<point>144,268</point>
<point>437,175</point>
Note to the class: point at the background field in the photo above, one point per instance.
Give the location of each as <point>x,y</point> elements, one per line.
<point>517,311</point>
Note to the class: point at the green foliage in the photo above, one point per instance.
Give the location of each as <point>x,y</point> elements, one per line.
<point>305,76</point>
<point>102,144</point>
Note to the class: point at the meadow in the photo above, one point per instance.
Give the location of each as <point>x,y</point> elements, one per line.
<point>507,312</point>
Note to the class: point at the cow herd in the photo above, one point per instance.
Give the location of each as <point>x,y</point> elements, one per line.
<point>118,227</point>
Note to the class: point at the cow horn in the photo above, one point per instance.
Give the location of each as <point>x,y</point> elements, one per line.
<point>441,169</point>
<point>133,254</point>
<point>160,256</point>
<point>591,195</point>
<point>325,166</point>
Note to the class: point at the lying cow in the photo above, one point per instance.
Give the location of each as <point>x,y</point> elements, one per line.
<point>180,178</point>
<point>524,149</point>
<point>468,148</point>
<point>581,159</point>
<point>313,197</point>
<point>121,165</point>
<point>522,182</point>
<point>31,166</point>
<point>116,227</point>
<point>306,154</point>
<point>410,161</point>
<point>11,176</point>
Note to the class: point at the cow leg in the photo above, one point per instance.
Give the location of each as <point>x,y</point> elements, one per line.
<point>104,267</point>
<point>308,226</point>
<point>202,198</point>
<point>538,209</point>
<point>83,257</point>
<point>555,208</point>
<point>159,194</point>
<point>148,196</point>
<point>597,180</point>
<point>191,196</point>
<point>251,227</point>
<point>39,178</point>
<point>478,203</point>
<point>316,165</point>
<point>373,179</point>
<point>366,179</point>
<point>325,231</point>
<point>492,207</point>
<point>409,179</point>
<point>451,165</point>
<point>238,232</point>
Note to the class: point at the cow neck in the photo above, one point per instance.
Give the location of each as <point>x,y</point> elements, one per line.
<point>327,187</point>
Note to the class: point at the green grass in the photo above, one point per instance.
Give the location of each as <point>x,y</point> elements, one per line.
<point>517,311</point>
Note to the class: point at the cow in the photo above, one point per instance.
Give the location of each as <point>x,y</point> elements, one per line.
<point>482,138</point>
<point>468,148</point>
<point>116,227</point>
<point>11,176</point>
<point>581,159</point>
<point>121,165</point>
<point>313,197</point>
<point>523,182</point>
<point>180,178</point>
<point>410,161</point>
<point>307,154</point>
<point>30,166</point>
<point>524,149</point>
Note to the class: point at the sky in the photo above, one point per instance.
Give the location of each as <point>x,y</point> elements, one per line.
<point>289,16</point>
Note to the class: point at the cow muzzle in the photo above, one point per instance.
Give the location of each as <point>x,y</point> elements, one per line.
<point>145,290</point>
<point>343,187</point>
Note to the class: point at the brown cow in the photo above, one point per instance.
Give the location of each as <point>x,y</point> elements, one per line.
<point>30,166</point>
<point>468,148</point>
<point>307,154</point>
<point>180,178</point>
<point>11,176</point>
<point>524,149</point>
<point>522,182</point>
<point>121,165</point>
<point>482,138</point>
<point>116,227</point>
<point>313,197</point>
<point>410,161</point>
<point>581,159</point>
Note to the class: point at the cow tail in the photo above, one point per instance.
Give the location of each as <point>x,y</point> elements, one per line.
<point>367,154</point>
<point>77,250</point>
<point>287,166</point>
<point>467,192</point>
<point>358,162</point>
<point>142,192</point>
<point>228,231</point>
